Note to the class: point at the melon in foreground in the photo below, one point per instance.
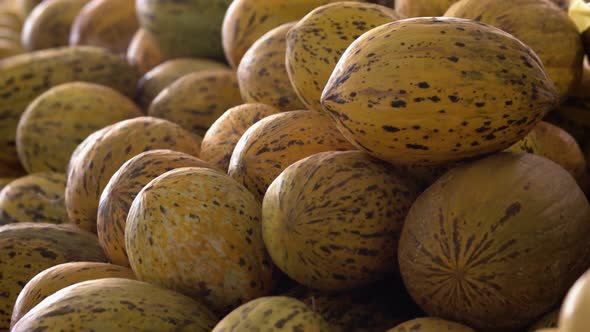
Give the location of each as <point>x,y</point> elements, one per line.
<point>498,238</point>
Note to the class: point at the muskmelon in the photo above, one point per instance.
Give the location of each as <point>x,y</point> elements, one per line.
<point>496,252</point>
<point>103,152</point>
<point>339,227</point>
<point>277,141</point>
<point>318,40</point>
<point>38,197</point>
<point>60,276</point>
<point>273,313</point>
<point>223,135</point>
<point>534,22</point>
<point>143,52</point>
<point>422,8</point>
<point>29,248</point>
<point>196,100</point>
<point>45,144</point>
<point>197,231</point>
<point>430,324</point>
<point>435,90</point>
<point>118,194</point>
<point>157,79</point>
<point>117,305</point>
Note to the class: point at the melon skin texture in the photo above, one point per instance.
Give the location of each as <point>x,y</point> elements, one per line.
<point>101,154</point>
<point>534,23</point>
<point>223,135</point>
<point>143,53</point>
<point>197,231</point>
<point>472,253</point>
<point>273,313</point>
<point>60,276</point>
<point>38,197</point>
<point>430,324</point>
<point>467,89</point>
<point>279,140</point>
<point>332,221</point>
<point>117,305</point>
<point>422,8</point>
<point>123,187</point>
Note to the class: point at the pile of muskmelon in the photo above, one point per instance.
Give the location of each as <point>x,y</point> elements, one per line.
<point>295,165</point>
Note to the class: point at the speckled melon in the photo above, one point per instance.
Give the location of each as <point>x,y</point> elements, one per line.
<point>548,320</point>
<point>247,20</point>
<point>188,28</point>
<point>485,254</point>
<point>103,152</point>
<point>197,231</point>
<point>157,79</point>
<point>196,100</point>
<point>49,24</point>
<point>61,276</point>
<point>110,24</point>
<point>339,227</point>
<point>573,316</point>
<point>117,196</point>
<point>29,248</point>
<point>422,8</point>
<point>318,40</point>
<point>223,135</point>
<point>273,314</point>
<point>534,22</point>
<point>262,74</point>
<point>143,52</point>
<point>435,90</point>
<point>117,305</point>
<point>58,120</point>
<point>37,197</point>
<point>430,324</point>
<point>277,141</point>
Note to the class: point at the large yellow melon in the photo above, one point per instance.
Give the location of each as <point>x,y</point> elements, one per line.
<point>197,231</point>
<point>332,221</point>
<point>436,90</point>
<point>277,141</point>
<point>496,252</point>
<point>124,185</point>
<point>223,135</point>
<point>99,156</point>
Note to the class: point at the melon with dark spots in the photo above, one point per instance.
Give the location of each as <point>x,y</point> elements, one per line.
<point>332,221</point>
<point>29,248</point>
<point>430,324</point>
<point>38,197</point>
<point>196,100</point>
<point>117,305</point>
<point>124,185</point>
<point>477,248</point>
<point>483,91</point>
<point>277,141</point>
<point>101,154</point>
<point>197,231</point>
<point>223,135</point>
<point>61,276</point>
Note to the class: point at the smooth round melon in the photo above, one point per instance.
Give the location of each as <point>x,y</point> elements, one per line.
<point>435,90</point>
<point>196,100</point>
<point>534,23</point>
<point>117,305</point>
<point>222,137</point>
<point>143,52</point>
<point>262,74</point>
<point>160,77</point>
<point>97,158</point>
<point>29,248</point>
<point>273,313</point>
<point>279,140</point>
<point>58,120</point>
<point>37,197</point>
<point>318,40</point>
<point>431,324</point>
<point>332,221</point>
<point>61,276</point>
<point>123,187</point>
<point>496,252</point>
<point>197,231</point>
